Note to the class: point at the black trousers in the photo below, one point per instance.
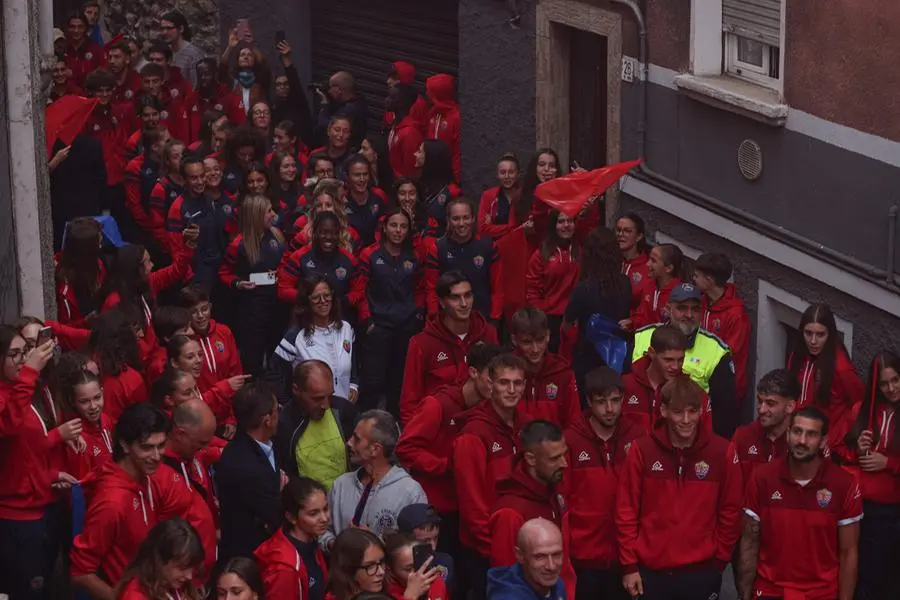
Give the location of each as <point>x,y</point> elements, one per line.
<point>599,583</point>
<point>471,571</point>
<point>701,584</point>
<point>879,535</point>
<point>381,365</point>
<point>28,553</point>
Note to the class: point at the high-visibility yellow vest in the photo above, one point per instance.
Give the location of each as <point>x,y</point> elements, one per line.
<point>700,360</point>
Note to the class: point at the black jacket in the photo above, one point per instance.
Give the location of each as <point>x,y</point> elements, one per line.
<point>292,423</point>
<point>249,492</point>
<point>295,108</point>
<point>354,109</point>
<point>78,185</point>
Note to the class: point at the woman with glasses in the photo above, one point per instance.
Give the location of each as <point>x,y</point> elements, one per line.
<point>29,512</point>
<point>357,565</point>
<point>292,563</point>
<point>318,333</point>
<point>261,119</point>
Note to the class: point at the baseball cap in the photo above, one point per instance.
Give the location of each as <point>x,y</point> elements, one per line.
<point>416,515</point>
<point>684,292</point>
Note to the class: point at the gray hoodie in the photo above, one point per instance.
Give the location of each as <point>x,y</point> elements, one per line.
<point>386,499</point>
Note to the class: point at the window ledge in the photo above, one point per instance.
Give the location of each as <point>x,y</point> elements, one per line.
<point>734,95</point>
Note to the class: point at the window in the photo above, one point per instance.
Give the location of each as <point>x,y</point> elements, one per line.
<point>753,40</point>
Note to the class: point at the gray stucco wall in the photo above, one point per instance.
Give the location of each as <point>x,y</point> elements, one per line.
<point>496,89</point>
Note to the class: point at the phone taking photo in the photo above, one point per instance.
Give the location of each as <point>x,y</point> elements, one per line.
<point>243,28</point>
<point>280,36</point>
<point>421,554</point>
<point>44,336</point>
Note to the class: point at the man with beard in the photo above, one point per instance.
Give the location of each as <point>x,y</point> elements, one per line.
<point>764,440</point>
<point>801,521</point>
<point>678,504</point>
<point>707,359</point>
<point>530,492</point>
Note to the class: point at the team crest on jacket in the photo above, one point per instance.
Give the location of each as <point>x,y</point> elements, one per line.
<point>552,391</point>
<point>347,346</point>
<point>135,504</point>
<point>636,277</point>
<point>218,107</point>
<point>129,94</point>
<point>701,469</point>
<point>173,92</point>
<point>478,260</point>
<point>562,502</point>
<point>717,324</point>
<point>374,209</point>
<point>163,115</point>
<point>823,497</point>
<point>220,346</point>
<point>273,244</point>
<point>88,55</point>
<point>340,273</point>
<point>226,208</point>
<point>407,266</point>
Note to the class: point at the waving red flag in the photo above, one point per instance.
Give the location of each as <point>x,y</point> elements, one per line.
<point>65,118</point>
<point>569,194</point>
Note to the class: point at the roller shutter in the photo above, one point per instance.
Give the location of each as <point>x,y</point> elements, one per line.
<point>755,19</point>
<point>365,36</point>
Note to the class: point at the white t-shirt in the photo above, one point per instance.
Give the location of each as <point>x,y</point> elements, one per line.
<point>332,346</point>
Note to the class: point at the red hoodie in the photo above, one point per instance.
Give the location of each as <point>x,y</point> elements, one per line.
<point>637,272</point>
<point>678,508</point>
<point>520,498</point>
<point>283,573</point>
<point>404,141</point>
<point>879,486</point>
<point>67,299</point>
<point>406,74</point>
<point>203,511</point>
<point>121,391</point>
<point>592,477</point>
<point>549,282</point>
<point>437,591</point>
<point>121,512</point>
<point>28,451</point>
<point>642,400</point>
<point>135,591</point>
<point>846,387</point>
<point>437,357</point>
<point>551,393</point>
<point>483,456</point>
<point>98,448</point>
<point>443,120</point>
<point>727,318</point>
<point>651,306</point>
<point>426,445</point>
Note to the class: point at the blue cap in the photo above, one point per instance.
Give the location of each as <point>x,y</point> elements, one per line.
<point>685,292</point>
<point>416,515</point>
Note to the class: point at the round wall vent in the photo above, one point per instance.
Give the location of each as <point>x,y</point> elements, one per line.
<point>750,160</point>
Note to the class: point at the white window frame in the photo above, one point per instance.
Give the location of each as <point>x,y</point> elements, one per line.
<point>735,67</point>
<point>775,308</point>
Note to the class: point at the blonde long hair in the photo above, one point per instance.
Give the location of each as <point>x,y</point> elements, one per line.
<point>253,225</point>
<point>335,189</point>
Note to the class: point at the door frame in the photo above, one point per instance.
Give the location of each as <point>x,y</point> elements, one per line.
<point>553,77</point>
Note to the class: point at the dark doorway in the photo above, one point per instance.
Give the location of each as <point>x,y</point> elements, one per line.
<point>587,98</point>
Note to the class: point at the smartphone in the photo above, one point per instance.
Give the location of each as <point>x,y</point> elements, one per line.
<point>243,28</point>
<point>421,553</point>
<point>190,218</point>
<point>280,36</point>
<point>44,336</point>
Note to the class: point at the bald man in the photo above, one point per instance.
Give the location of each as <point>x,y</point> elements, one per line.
<point>341,100</point>
<point>539,562</point>
<point>193,427</point>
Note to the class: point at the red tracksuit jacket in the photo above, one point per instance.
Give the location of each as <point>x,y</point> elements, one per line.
<point>283,573</point>
<point>98,451</point>
<point>637,272</point>
<point>520,498</point>
<point>549,282</point>
<point>426,445</point>
<point>727,318</point>
<point>403,143</point>
<point>28,451</point>
<point>109,125</point>
<point>881,486</point>
<point>846,388</point>
<point>443,121</point>
<point>67,300</point>
<point>133,590</point>
<point>551,393</point>
<point>121,512</point>
<point>83,60</point>
<point>591,480</point>
<point>437,357</point>
<point>754,448</point>
<point>642,400</point>
<point>203,510</point>
<point>221,359</point>
<point>651,307</point>
<point>678,508</point>
<point>483,456</point>
<point>799,555</point>
<point>121,391</point>
<point>224,100</point>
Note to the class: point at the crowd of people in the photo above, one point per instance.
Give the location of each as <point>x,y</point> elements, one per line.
<point>309,370</point>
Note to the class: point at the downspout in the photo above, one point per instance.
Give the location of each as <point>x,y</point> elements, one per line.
<point>646,173</point>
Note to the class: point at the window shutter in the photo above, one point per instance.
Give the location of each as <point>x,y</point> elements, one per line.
<point>755,19</point>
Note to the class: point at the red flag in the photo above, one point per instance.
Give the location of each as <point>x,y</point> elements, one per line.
<point>513,251</point>
<point>569,194</point>
<point>65,118</point>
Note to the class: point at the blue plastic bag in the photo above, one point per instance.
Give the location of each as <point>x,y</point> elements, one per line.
<point>608,341</point>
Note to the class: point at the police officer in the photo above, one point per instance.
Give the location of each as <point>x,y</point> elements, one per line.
<point>707,359</point>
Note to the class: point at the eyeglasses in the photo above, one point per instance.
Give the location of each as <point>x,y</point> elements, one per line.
<point>19,355</point>
<point>261,113</point>
<point>320,298</point>
<point>373,568</point>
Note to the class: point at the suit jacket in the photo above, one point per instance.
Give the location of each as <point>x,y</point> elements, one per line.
<point>249,493</point>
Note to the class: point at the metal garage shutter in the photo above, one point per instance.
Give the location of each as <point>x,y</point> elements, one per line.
<point>755,19</point>
<point>365,36</point>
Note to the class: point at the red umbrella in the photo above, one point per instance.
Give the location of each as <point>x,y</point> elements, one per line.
<point>569,194</point>
<point>65,118</point>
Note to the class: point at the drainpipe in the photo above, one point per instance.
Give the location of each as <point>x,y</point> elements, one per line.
<point>892,242</point>
<point>647,174</point>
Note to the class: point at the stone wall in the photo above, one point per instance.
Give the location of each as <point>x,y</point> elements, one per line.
<point>141,17</point>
